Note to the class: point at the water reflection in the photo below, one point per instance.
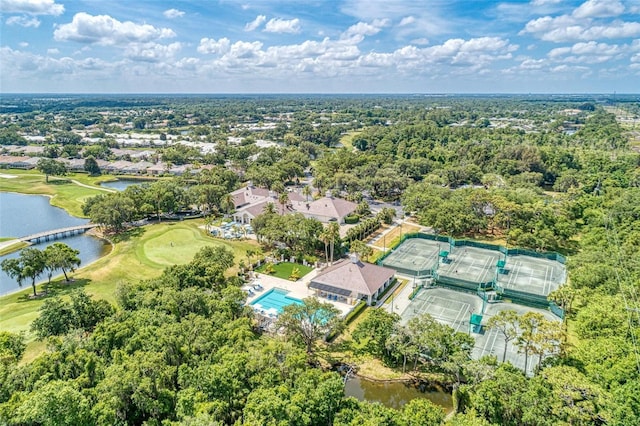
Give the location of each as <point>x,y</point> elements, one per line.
<point>393,394</point>
<point>121,184</point>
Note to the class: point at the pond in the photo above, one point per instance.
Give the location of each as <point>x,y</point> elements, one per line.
<point>122,184</point>
<point>22,215</point>
<point>394,394</point>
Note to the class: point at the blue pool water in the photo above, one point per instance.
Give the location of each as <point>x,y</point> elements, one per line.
<point>274,299</point>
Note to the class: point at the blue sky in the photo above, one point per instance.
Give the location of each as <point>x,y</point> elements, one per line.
<point>320,46</point>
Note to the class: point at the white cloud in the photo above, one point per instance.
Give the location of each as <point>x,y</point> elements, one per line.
<point>105,30</point>
<point>588,53</point>
<point>357,32</point>
<point>567,28</point>
<point>23,44</point>
<point>250,26</point>
<point>173,13</point>
<point>276,25</point>
<point>32,7</point>
<point>209,45</point>
<point>408,20</point>
<point>53,51</point>
<point>544,2</point>
<point>420,41</point>
<point>24,21</point>
<point>430,18</point>
<point>568,68</point>
<point>599,9</point>
<point>152,52</point>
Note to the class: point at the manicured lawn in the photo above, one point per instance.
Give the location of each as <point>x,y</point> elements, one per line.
<point>63,192</point>
<point>141,254</point>
<point>284,269</point>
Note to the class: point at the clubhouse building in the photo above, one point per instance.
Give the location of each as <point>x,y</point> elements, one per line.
<point>251,201</point>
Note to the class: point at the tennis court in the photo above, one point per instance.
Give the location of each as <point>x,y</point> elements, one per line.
<point>532,275</point>
<point>415,256</point>
<point>454,309</point>
<point>445,306</point>
<point>470,264</point>
<point>491,342</point>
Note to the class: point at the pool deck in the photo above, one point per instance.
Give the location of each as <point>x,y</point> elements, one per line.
<point>298,289</point>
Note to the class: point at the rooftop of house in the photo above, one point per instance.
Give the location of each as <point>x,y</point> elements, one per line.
<point>354,275</point>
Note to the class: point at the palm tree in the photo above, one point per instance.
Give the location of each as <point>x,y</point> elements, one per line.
<point>227,203</point>
<point>306,191</point>
<point>270,208</point>
<point>333,232</point>
<point>250,254</point>
<point>324,237</point>
<point>283,199</point>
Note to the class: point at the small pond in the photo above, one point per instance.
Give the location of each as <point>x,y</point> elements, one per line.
<point>394,394</point>
<point>122,184</point>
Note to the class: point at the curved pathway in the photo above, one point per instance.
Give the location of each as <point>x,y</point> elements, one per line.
<point>92,187</point>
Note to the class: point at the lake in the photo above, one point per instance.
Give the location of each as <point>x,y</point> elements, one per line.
<point>393,394</point>
<point>22,215</point>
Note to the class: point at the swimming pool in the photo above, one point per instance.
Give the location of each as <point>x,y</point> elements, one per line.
<point>275,298</point>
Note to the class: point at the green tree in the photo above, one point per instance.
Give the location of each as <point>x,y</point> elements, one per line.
<point>91,166</point>
<point>61,256</point>
<point>55,319</point>
<point>333,234</point>
<point>12,347</point>
<point>374,331</point>
<point>112,211</point>
<point>421,412</point>
<point>30,264</point>
<point>310,321</point>
<point>56,403</point>
<point>51,167</point>
<point>506,323</point>
<point>361,249</point>
<point>528,325</point>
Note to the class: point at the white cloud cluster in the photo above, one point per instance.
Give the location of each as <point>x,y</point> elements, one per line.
<point>152,52</point>
<point>589,53</point>
<point>32,7</point>
<point>107,31</point>
<point>276,25</point>
<point>599,9</point>
<point>260,19</point>
<point>24,21</point>
<point>342,56</point>
<point>173,13</point>
<point>586,23</point>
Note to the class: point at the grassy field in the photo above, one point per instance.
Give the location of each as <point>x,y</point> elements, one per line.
<point>283,269</point>
<point>139,254</point>
<point>347,139</point>
<point>63,192</point>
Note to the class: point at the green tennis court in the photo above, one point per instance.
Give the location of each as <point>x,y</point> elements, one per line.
<point>415,257</point>
<point>470,264</point>
<point>532,275</point>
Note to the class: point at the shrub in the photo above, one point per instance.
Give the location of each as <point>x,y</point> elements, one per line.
<point>351,219</point>
<point>295,274</point>
<point>269,269</point>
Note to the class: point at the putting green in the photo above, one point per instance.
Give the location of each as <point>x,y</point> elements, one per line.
<point>175,246</point>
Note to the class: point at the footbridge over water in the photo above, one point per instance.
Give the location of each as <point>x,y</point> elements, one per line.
<point>58,233</point>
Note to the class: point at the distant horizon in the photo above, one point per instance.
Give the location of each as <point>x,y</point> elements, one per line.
<point>426,94</point>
